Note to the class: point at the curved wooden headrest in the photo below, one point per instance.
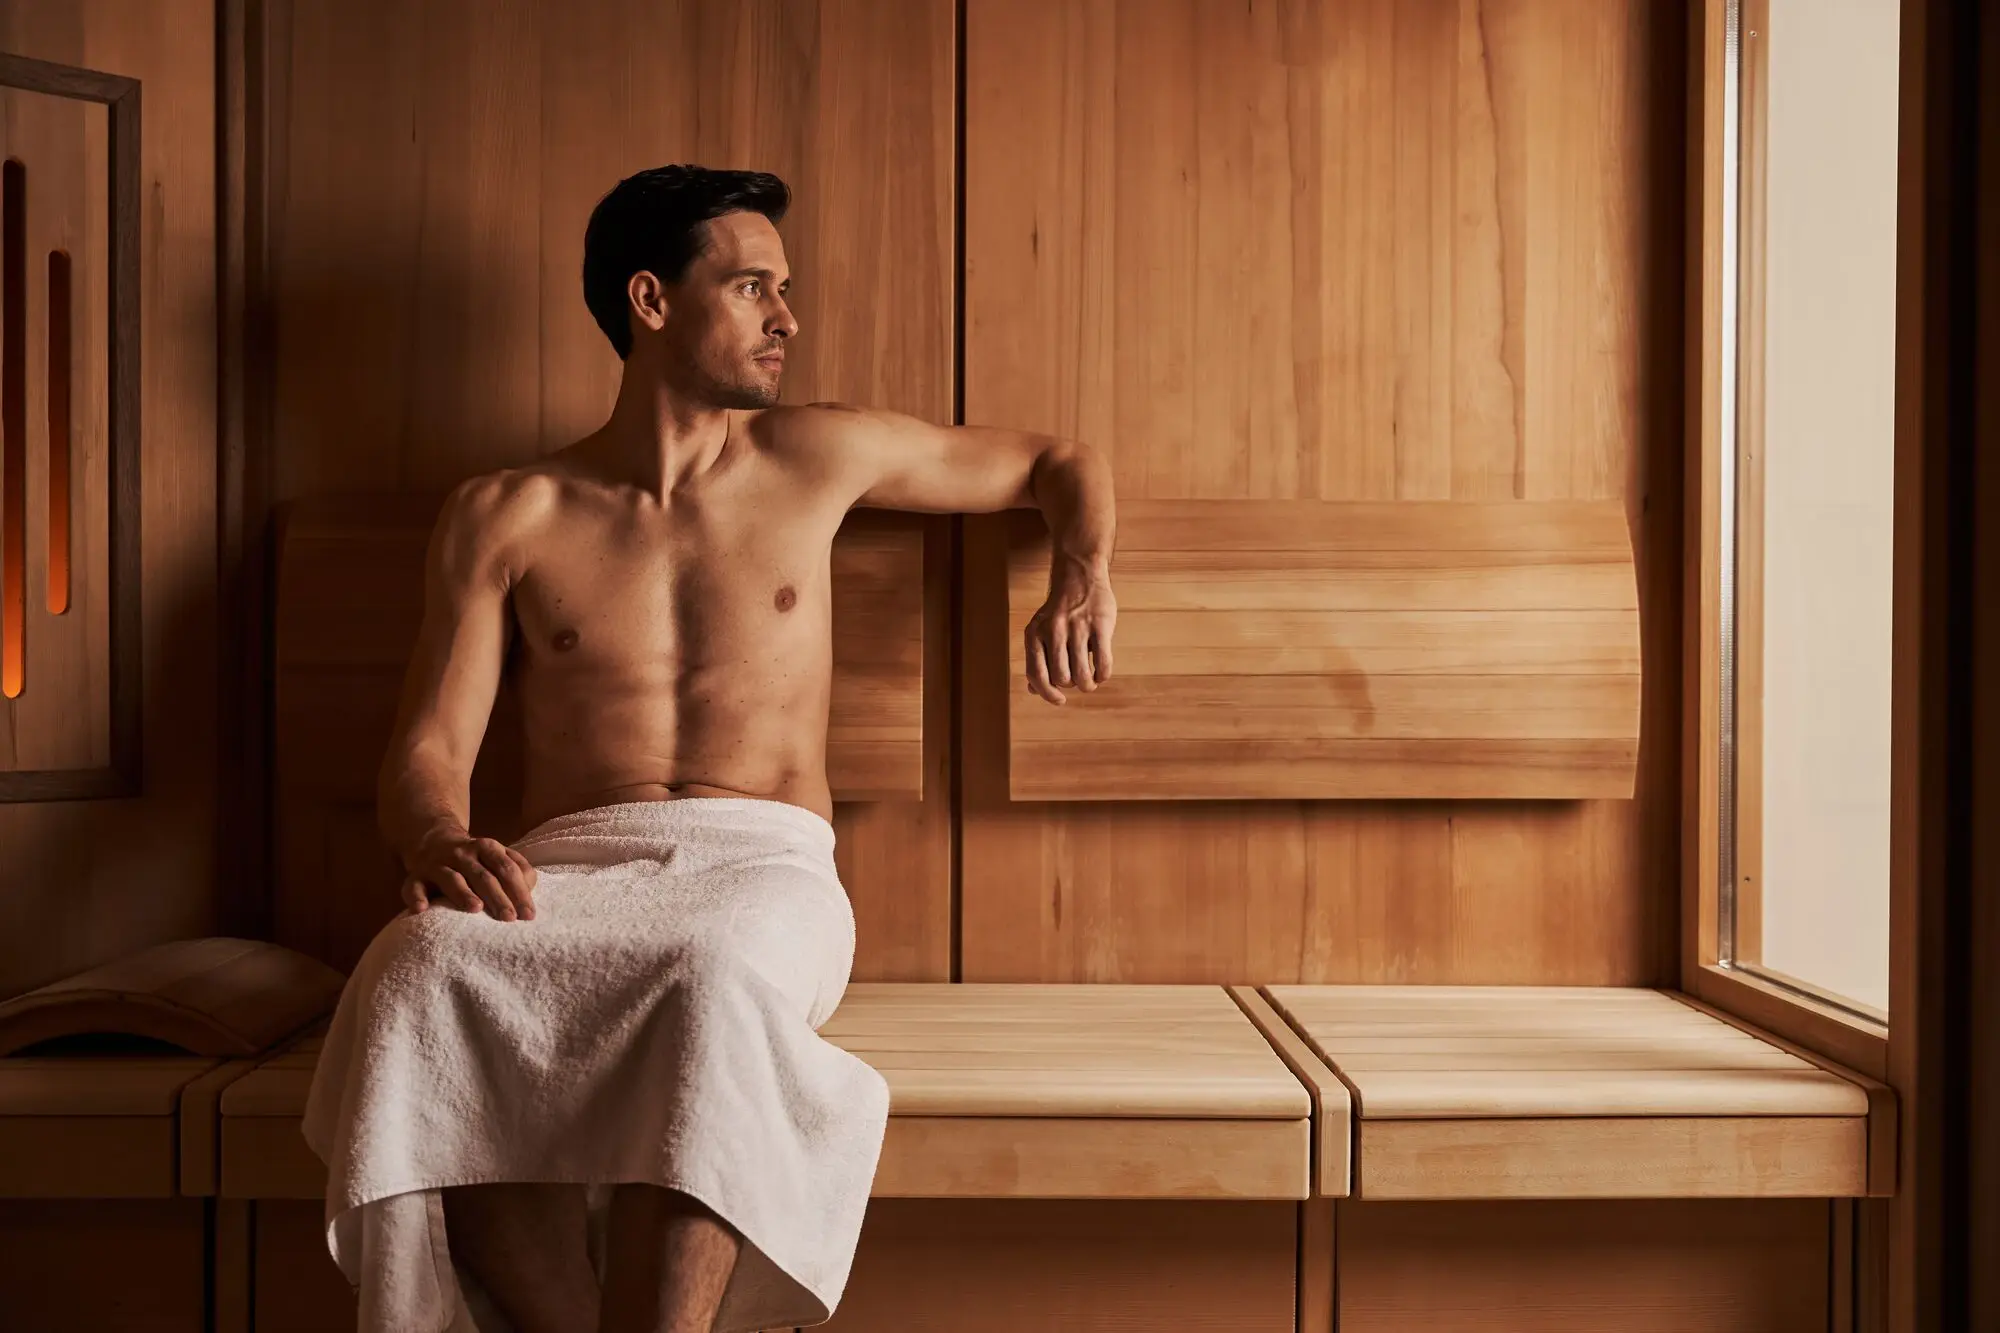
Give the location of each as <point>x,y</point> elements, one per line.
<point>216,996</point>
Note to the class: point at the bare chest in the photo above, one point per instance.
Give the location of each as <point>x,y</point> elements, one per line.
<point>685,602</point>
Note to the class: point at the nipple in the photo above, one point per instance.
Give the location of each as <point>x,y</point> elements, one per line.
<point>785,598</point>
<point>565,640</point>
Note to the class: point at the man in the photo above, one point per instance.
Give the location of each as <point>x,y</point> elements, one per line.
<point>650,965</point>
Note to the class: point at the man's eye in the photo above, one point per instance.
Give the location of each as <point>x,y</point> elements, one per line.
<point>751,286</point>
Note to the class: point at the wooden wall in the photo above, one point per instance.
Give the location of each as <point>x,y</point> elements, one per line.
<point>85,881</point>
<point>1374,250</point>
<point>1388,249</point>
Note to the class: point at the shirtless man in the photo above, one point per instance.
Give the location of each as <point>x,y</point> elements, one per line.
<point>659,591</point>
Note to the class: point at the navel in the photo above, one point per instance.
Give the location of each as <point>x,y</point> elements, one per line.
<point>565,640</point>
<point>786,598</point>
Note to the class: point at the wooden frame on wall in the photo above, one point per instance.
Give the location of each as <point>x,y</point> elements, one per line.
<point>120,96</point>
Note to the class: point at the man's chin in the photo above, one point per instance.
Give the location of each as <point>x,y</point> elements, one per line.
<point>746,396</point>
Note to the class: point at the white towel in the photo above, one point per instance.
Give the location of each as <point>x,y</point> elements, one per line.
<point>657,1021</point>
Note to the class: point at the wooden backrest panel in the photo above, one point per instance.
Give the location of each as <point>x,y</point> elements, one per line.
<point>349,591</point>
<point>1305,648</point>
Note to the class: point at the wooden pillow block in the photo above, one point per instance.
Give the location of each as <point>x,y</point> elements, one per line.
<point>217,997</point>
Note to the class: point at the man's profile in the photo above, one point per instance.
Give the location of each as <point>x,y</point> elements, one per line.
<point>583,1071</point>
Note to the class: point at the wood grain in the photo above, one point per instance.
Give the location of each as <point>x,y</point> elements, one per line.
<point>429,322</point>
<point>1271,649</point>
<point>1884,1109</point>
<point>1661,1267</point>
<point>1096,1157</point>
<point>71,866</point>
<point>1066,1051</point>
<point>1390,252</point>
<point>1552,1052</point>
<point>1001,1266</point>
<point>1579,1092</point>
<point>1624,1157</point>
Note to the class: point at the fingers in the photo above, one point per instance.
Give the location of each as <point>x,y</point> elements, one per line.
<point>1056,636</point>
<point>416,897</point>
<point>471,863</point>
<point>527,867</point>
<point>455,889</point>
<point>1100,647</point>
<point>1079,655</point>
<point>1038,665</point>
<point>500,861</point>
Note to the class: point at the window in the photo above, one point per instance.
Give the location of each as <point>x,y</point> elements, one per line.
<point>1798,175</point>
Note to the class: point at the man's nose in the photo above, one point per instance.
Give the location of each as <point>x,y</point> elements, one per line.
<point>783,325</point>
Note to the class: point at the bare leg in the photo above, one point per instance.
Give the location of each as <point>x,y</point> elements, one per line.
<point>526,1243</point>
<point>667,1261</point>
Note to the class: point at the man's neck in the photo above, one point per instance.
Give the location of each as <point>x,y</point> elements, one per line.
<point>661,439</point>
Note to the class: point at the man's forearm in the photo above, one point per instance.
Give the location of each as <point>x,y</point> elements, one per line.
<point>1071,482</point>
<point>419,801</point>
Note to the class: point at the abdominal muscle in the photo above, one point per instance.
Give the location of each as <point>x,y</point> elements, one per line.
<point>597,742</point>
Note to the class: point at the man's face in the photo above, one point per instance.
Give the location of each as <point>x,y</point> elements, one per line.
<point>727,321</point>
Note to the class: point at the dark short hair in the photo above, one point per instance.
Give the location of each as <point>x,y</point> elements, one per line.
<point>653,221</point>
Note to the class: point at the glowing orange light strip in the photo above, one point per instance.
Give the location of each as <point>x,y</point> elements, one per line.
<point>13,426</point>
<point>59,426</point>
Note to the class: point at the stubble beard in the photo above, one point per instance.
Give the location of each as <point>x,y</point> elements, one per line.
<point>734,393</point>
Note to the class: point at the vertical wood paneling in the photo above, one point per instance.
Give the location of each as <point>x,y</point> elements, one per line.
<point>1376,250</point>
<point>1562,1266</point>
<point>1002,1265</point>
<point>433,169</point>
<point>85,881</point>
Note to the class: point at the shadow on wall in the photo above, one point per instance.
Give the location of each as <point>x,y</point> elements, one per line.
<point>408,371</point>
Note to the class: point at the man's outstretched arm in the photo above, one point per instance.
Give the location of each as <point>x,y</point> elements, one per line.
<point>424,795</point>
<point>900,462</point>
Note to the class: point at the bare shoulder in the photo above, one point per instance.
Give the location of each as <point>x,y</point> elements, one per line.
<point>839,444</point>
<point>488,522</point>
<point>812,426</point>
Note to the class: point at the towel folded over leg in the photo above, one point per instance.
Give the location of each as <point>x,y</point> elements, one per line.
<point>656,1022</point>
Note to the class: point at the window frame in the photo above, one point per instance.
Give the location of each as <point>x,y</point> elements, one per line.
<point>1713,774</point>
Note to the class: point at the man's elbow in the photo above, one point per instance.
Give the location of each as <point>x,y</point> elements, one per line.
<point>1061,460</point>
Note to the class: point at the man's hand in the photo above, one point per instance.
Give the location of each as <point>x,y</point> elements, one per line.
<point>1068,641</point>
<point>473,874</point>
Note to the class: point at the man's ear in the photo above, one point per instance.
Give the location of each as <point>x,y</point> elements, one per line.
<point>647,297</point>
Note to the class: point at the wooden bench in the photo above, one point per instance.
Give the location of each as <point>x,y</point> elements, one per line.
<point>1503,1092</point>
<point>1093,1153</point>
<point>1578,1157</point>
<point>110,1096</point>
<point>1144,1153</point>
<point>1003,1100</point>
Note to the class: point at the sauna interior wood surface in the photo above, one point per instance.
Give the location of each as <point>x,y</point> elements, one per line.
<point>1372,251</point>
<point>1335,252</point>
<point>1577,1092</point>
<point>1077,1091</point>
<point>1342,649</point>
